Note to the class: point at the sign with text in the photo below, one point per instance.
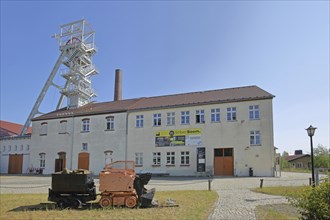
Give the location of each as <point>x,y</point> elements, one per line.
<point>182,137</point>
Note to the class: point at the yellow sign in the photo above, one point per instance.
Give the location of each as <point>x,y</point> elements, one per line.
<point>181,132</point>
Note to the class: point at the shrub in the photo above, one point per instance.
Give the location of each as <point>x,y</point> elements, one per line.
<point>314,203</point>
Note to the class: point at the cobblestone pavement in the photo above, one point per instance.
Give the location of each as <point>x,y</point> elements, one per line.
<point>236,201</point>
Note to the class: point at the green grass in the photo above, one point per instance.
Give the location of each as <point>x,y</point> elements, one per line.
<point>279,211</point>
<point>192,205</point>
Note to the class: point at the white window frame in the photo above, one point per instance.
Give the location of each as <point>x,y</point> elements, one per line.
<point>157,119</point>
<point>254,112</point>
<point>185,117</point>
<point>231,114</point>
<point>255,138</point>
<point>170,118</point>
<point>200,116</point>
<point>185,158</point>
<point>139,159</point>
<point>170,158</point>
<point>139,121</point>
<point>84,147</point>
<point>215,115</point>
<point>85,125</point>
<point>156,158</point>
<point>42,159</point>
<point>110,123</point>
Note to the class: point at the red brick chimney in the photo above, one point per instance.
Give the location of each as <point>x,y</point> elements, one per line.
<point>118,85</point>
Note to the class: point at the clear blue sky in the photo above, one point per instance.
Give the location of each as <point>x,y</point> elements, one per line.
<point>167,47</point>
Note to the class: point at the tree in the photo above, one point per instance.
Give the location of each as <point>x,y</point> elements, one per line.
<point>284,163</point>
<point>321,157</point>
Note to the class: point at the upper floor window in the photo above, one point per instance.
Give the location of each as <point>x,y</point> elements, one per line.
<point>63,127</point>
<point>139,121</point>
<point>15,147</point>
<point>231,114</point>
<point>4,148</point>
<point>9,148</point>
<point>156,158</point>
<point>185,117</point>
<point>84,147</point>
<point>43,128</point>
<point>184,157</point>
<point>170,118</point>
<point>139,159</point>
<point>254,112</point>
<point>215,115</point>
<point>157,119</point>
<point>27,147</point>
<point>255,138</point>
<point>42,160</point>
<point>200,116</point>
<point>110,123</point>
<point>170,158</point>
<point>22,147</point>
<point>85,125</point>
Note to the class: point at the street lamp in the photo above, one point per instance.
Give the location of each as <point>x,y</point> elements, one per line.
<point>310,132</point>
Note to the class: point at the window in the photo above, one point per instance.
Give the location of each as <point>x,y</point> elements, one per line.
<point>231,114</point>
<point>3,148</point>
<point>15,147</point>
<point>27,147</point>
<point>22,147</point>
<point>157,119</point>
<point>254,112</point>
<point>170,118</point>
<point>170,158</point>
<point>215,115</point>
<point>156,158</point>
<point>85,125</point>
<point>110,123</point>
<point>185,117</point>
<point>9,148</point>
<point>200,116</point>
<point>63,127</point>
<point>84,147</point>
<point>254,137</point>
<point>139,121</point>
<point>42,160</point>
<point>43,128</point>
<point>184,157</point>
<point>139,159</point>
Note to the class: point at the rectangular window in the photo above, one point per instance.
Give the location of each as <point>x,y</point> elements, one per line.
<point>156,158</point>
<point>231,114</point>
<point>170,158</point>
<point>200,117</point>
<point>84,147</point>
<point>85,125</point>
<point>170,118</point>
<point>43,128</point>
<point>42,160</point>
<point>215,115</point>
<point>9,148</point>
<point>184,157</point>
<point>110,123</point>
<point>4,148</point>
<point>185,117</point>
<point>139,121</point>
<point>15,147</point>
<point>255,138</point>
<point>254,112</point>
<point>139,159</point>
<point>22,147</point>
<point>63,125</point>
<point>27,147</point>
<point>157,119</point>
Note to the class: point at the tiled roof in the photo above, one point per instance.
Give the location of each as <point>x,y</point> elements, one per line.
<point>295,157</point>
<point>168,101</point>
<point>8,129</point>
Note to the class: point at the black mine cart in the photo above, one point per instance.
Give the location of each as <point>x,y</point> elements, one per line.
<point>72,189</point>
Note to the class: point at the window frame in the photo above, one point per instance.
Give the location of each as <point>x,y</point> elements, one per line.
<point>200,116</point>
<point>215,115</point>
<point>170,158</point>
<point>139,159</point>
<point>85,125</point>
<point>139,121</point>
<point>170,118</point>
<point>255,138</point>
<point>110,123</point>
<point>84,147</point>
<point>42,160</point>
<point>231,114</point>
<point>254,112</point>
<point>184,158</point>
<point>157,119</point>
<point>185,117</point>
<point>156,158</point>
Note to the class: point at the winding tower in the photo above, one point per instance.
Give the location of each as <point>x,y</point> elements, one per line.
<point>76,43</point>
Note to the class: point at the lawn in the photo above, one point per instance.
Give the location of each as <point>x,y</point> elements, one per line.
<point>192,205</point>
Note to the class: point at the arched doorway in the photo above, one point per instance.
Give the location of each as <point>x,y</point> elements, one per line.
<point>60,162</point>
<point>83,161</point>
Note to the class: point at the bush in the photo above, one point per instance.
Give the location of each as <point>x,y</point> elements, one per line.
<point>314,203</point>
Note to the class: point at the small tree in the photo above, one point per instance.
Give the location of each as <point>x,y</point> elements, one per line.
<point>284,163</point>
<point>321,157</point>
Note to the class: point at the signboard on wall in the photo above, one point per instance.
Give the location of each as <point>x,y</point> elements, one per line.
<point>201,159</point>
<point>182,137</point>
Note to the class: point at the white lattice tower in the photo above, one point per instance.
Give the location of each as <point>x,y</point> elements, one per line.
<point>76,43</point>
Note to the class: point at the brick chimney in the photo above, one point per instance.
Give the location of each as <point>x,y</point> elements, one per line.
<point>118,85</point>
<point>298,152</point>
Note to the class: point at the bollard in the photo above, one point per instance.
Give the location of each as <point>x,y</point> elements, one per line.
<point>210,184</point>
<point>261,182</point>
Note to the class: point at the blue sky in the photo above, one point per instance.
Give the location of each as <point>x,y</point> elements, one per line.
<point>169,47</point>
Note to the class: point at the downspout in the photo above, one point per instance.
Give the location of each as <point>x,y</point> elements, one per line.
<point>126,142</point>
<point>72,141</point>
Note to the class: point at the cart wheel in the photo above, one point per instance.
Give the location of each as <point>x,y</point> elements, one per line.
<point>130,202</point>
<point>61,204</point>
<point>105,202</point>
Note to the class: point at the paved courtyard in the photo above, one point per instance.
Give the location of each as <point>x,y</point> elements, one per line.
<point>236,201</point>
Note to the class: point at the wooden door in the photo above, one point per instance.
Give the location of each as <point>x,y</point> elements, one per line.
<point>223,162</point>
<point>15,164</point>
<point>83,161</point>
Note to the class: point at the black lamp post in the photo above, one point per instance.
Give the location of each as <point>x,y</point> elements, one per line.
<point>310,132</point>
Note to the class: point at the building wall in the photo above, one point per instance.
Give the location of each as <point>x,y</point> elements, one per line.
<point>300,163</point>
<point>226,134</point>
<point>98,140</point>
<point>12,146</point>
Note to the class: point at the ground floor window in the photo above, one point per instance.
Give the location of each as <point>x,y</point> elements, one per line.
<point>170,158</point>
<point>156,158</point>
<point>139,159</point>
<point>185,158</point>
<point>42,160</point>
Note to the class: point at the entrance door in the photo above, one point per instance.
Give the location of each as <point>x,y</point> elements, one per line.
<point>83,161</point>
<point>60,162</point>
<point>223,162</point>
<point>15,164</point>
